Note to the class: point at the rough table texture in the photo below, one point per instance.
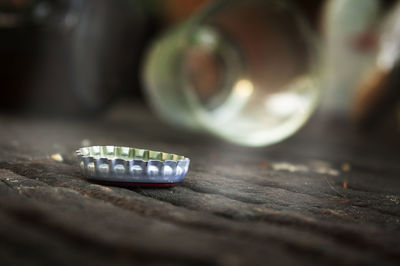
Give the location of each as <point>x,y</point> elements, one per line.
<point>325,196</point>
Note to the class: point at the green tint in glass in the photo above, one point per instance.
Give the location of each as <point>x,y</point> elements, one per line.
<point>241,70</point>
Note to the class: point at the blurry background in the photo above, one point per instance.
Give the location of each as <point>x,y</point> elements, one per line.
<point>77,56</point>
<point>81,57</point>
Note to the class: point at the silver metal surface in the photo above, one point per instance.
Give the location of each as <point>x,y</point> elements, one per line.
<point>124,164</point>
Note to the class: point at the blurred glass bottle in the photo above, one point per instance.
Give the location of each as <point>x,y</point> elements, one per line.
<point>361,70</point>
<point>242,70</point>
<point>351,38</point>
<point>377,96</point>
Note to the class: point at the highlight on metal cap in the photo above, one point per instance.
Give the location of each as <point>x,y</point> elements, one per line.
<point>127,166</point>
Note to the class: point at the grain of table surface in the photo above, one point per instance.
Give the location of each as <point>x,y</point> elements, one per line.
<point>327,196</point>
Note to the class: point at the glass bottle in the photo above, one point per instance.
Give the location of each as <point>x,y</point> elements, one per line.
<point>245,71</point>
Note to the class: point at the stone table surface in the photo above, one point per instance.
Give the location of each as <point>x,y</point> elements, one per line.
<point>327,196</point>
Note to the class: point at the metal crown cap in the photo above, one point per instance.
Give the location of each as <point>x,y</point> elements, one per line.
<point>131,165</point>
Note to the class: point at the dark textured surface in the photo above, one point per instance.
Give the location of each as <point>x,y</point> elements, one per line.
<point>326,196</point>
